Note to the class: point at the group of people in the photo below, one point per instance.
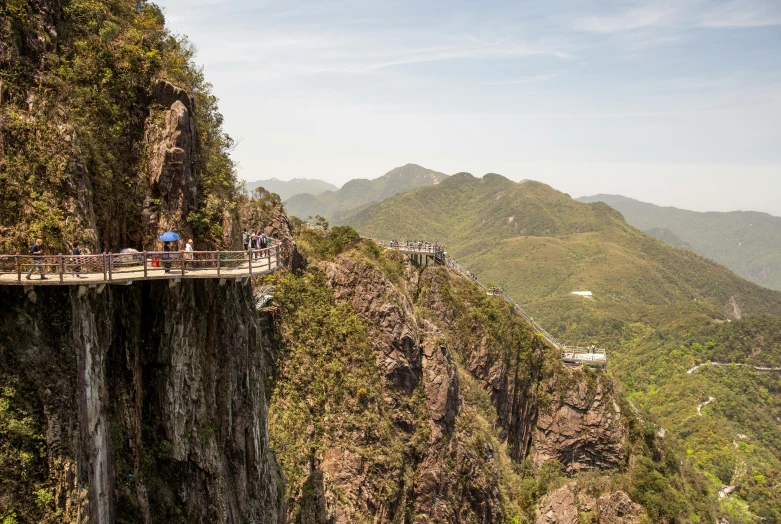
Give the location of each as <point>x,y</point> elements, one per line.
<point>253,241</point>
<point>37,254</point>
<point>419,244</point>
<point>188,253</point>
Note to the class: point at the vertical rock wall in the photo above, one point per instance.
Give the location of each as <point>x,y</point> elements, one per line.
<point>152,399</point>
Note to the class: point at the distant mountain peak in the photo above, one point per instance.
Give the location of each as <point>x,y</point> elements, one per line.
<point>360,192</point>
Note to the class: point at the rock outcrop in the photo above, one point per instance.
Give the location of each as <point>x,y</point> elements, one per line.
<point>733,309</point>
<point>389,316</point>
<point>170,142</point>
<point>582,429</point>
<point>571,505</point>
<point>152,400</point>
<point>451,480</point>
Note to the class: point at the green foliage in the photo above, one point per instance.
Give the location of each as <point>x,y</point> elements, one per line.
<point>323,244</point>
<point>26,496</point>
<point>657,310</point>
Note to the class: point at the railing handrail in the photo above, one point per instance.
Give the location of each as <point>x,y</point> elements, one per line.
<point>118,266</point>
<point>137,253</point>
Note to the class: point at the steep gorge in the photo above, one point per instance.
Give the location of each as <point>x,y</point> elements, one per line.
<point>408,395</point>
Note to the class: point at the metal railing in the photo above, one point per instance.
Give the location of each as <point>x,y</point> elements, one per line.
<point>141,265</point>
<point>411,247</point>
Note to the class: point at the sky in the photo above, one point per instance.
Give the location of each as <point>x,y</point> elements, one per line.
<point>675,102</point>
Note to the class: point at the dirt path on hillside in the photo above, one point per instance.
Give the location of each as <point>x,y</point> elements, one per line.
<point>724,364</point>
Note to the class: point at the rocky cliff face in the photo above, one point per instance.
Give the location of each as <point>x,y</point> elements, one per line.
<point>170,142</point>
<point>581,427</point>
<point>491,396</point>
<point>571,505</point>
<point>151,400</point>
<point>510,377</point>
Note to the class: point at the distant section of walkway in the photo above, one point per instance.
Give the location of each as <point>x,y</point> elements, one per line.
<point>423,250</point>
<point>125,268</point>
<point>727,364</point>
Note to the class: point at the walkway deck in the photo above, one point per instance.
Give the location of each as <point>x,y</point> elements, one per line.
<point>116,268</point>
<point>570,355</point>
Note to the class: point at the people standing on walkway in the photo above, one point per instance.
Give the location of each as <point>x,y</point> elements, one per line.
<point>76,253</point>
<point>255,242</point>
<point>245,240</point>
<point>36,251</point>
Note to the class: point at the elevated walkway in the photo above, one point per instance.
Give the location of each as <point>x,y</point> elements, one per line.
<point>126,268</point>
<point>422,254</point>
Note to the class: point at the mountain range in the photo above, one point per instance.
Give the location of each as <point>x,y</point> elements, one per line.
<point>747,242</point>
<point>357,193</point>
<point>658,310</point>
<point>287,188</point>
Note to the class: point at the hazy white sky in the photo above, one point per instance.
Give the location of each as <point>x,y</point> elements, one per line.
<point>677,102</point>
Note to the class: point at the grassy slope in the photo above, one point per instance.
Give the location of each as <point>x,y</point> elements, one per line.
<point>749,243</point>
<point>358,193</point>
<point>655,305</point>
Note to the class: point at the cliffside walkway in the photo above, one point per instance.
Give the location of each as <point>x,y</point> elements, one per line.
<point>126,268</point>
<point>424,253</point>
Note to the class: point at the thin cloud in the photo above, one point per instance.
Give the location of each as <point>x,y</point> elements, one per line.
<point>685,14</point>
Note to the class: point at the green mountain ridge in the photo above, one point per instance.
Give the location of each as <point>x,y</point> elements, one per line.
<point>357,193</point>
<point>491,223</point>
<point>747,242</point>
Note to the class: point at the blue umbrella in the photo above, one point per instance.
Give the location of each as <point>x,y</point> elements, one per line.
<point>168,236</point>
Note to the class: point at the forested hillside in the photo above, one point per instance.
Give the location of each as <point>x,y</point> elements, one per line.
<point>658,310</point>
<point>747,242</point>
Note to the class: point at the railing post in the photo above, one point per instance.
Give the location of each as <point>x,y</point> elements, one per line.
<point>218,263</point>
<point>109,265</point>
<point>249,259</point>
<point>181,258</point>
<point>19,268</point>
<point>60,265</point>
<point>144,255</point>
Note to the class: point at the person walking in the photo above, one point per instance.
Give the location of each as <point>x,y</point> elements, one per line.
<point>255,243</point>
<point>76,253</point>
<point>36,251</point>
<point>245,240</point>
